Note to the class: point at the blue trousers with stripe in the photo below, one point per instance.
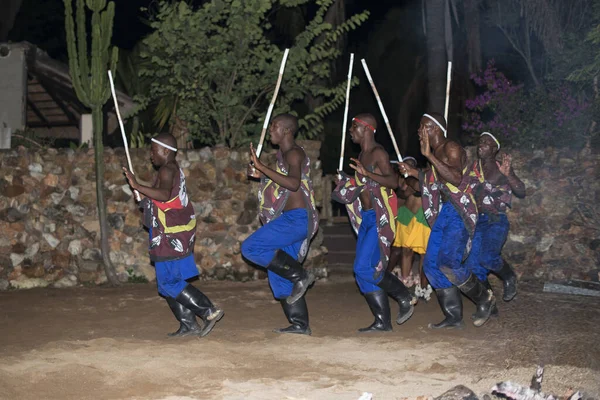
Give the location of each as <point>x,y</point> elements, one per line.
<point>490,236</point>
<point>367,254</point>
<point>286,232</point>
<point>447,242</point>
<point>171,275</point>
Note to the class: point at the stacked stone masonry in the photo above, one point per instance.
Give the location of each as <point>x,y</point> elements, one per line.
<point>50,231</point>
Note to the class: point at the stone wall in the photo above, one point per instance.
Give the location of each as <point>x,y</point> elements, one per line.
<point>555,230</point>
<point>48,218</point>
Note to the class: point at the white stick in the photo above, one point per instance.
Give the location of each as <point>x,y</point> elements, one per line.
<point>114,95</point>
<point>448,80</point>
<point>270,110</point>
<point>385,118</point>
<point>345,123</point>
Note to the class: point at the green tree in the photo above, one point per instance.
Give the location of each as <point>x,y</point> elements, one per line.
<point>90,80</point>
<point>216,67</point>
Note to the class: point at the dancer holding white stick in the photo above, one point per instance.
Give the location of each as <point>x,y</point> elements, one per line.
<point>385,118</point>
<point>345,122</point>
<point>251,170</point>
<point>114,95</point>
<point>369,198</point>
<point>448,81</point>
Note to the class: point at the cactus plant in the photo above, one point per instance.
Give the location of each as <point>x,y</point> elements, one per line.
<point>88,70</point>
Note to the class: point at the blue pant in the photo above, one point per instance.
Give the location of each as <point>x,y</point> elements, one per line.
<point>447,242</point>
<point>171,275</point>
<point>487,245</point>
<point>286,232</point>
<point>367,253</point>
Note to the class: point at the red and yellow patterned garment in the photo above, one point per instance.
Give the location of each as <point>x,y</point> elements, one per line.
<point>172,223</point>
<point>385,204</point>
<point>272,199</point>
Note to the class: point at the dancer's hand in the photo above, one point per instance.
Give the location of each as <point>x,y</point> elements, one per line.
<point>358,167</point>
<point>407,170</point>
<point>425,148</point>
<point>254,159</point>
<point>506,166</point>
<point>131,179</point>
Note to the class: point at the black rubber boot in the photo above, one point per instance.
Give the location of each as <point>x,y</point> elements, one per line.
<point>487,285</point>
<point>482,297</point>
<point>509,281</point>
<point>451,304</point>
<point>287,267</point>
<point>397,291</point>
<point>297,315</point>
<point>196,301</point>
<point>187,319</point>
<point>380,307</point>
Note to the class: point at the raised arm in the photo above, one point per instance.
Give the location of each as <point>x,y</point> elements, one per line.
<point>451,170</point>
<point>516,184</point>
<point>388,176</point>
<point>162,190</point>
<point>291,181</point>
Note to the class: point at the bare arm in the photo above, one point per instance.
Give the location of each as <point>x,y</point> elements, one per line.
<point>516,184</point>
<point>292,180</point>
<point>162,190</point>
<point>450,171</point>
<point>388,176</point>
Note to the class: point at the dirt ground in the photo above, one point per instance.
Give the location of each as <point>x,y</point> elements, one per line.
<point>106,343</point>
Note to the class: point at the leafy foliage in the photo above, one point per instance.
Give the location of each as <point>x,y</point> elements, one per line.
<point>216,69</point>
<point>534,118</point>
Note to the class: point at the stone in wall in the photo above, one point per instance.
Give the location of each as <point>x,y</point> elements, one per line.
<point>50,232</point>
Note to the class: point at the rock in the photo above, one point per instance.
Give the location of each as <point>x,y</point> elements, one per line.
<point>32,250</point>
<point>193,156</point>
<point>28,283</point>
<point>4,285</point>
<point>73,192</point>
<point>459,392</point>
<point>13,190</point>
<point>66,282</point>
<point>57,197</point>
<point>36,168</point>
<point>11,214</point>
<point>116,221</point>
<point>92,254</point>
<point>16,259</point>
<point>205,154</point>
<point>51,240</point>
<point>545,244</point>
<point>50,180</point>
<point>75,247</point>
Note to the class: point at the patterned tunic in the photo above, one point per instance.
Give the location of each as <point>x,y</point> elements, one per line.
<point>172,223</point>
<point>385,203</point>
<point>272,199</point>
<point>491,199</point>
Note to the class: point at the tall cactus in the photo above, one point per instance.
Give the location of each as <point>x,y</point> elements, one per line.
<point>89,77</point>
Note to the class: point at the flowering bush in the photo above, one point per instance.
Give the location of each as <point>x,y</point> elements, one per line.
<point>520,117</point>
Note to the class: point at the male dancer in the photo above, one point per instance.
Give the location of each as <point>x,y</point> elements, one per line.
<point>412,235</point>
<point>170,218</point>
<point>287,210</point>
<point>493,184</point>
<point>370,200</point>
<point>452,214</point>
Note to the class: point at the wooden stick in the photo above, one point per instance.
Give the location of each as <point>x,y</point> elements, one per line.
<point>385,118</point>
<point>448,80</point>
<point>114,95</point>
<point>345,122</point>
<point>270,110</point>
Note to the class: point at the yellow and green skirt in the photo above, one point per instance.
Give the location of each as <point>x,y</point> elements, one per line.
<point>412,230</point>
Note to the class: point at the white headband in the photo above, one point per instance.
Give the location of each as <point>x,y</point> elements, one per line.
<point>493,137</point>
<point>409,158</point>
<point>164,145</point>
<point>436,122</point>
